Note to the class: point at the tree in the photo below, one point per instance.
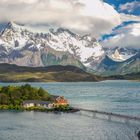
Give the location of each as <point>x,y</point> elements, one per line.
<point>41,91</point>
<point>4,100</point>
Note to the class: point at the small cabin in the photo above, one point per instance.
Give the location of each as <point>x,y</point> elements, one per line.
<point>60,100</point>
<point>35,103</point>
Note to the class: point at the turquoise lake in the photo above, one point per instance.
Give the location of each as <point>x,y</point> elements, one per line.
<point>121,97</point>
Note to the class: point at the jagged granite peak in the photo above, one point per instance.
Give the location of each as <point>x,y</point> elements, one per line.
<point>120,54</point>
<point>12,26</point>
<point>26,44</point>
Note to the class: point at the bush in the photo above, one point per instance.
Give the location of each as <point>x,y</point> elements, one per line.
<point>3,107</point>
<point>63,108</point>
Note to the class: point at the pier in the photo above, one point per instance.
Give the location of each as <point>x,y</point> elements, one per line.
<point>110,115</point>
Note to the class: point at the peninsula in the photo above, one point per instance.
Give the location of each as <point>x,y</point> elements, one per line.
<point>26,97</point>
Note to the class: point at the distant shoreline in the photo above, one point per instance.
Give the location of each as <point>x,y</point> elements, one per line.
<point>131,80</point>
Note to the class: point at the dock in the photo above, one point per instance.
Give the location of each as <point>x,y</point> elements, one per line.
<point>110,115</point>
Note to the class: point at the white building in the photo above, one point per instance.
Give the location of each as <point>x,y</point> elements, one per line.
<point>36,103</point>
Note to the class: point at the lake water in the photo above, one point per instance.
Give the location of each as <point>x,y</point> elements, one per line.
<point>121,97</point>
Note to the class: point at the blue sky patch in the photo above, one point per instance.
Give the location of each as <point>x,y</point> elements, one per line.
<point>117,3</point>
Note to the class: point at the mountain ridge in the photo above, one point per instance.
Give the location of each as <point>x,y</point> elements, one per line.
<point>20,46</point>
<point>26,44</point>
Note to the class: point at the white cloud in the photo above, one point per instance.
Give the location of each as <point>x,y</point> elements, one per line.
<point>128,17</point>
<point>129,6</point>
<point>128,36</point>
<point>82,16</point>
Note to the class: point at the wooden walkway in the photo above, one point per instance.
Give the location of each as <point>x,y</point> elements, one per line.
<point>110,115</point>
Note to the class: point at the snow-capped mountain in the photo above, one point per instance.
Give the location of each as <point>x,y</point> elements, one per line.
<point>119,61</point>
<point>120,54</point>
<point>19,45</point>
<point>110,67</point>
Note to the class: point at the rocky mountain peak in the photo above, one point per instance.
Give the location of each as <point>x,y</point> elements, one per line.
<point>11,24</point>
<point>120,54</point>
<point>117,55</point>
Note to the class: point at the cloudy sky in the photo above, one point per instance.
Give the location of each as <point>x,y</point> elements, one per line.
<point>110,21</point>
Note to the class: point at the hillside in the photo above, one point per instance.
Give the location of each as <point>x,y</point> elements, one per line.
<point>14,73</point>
